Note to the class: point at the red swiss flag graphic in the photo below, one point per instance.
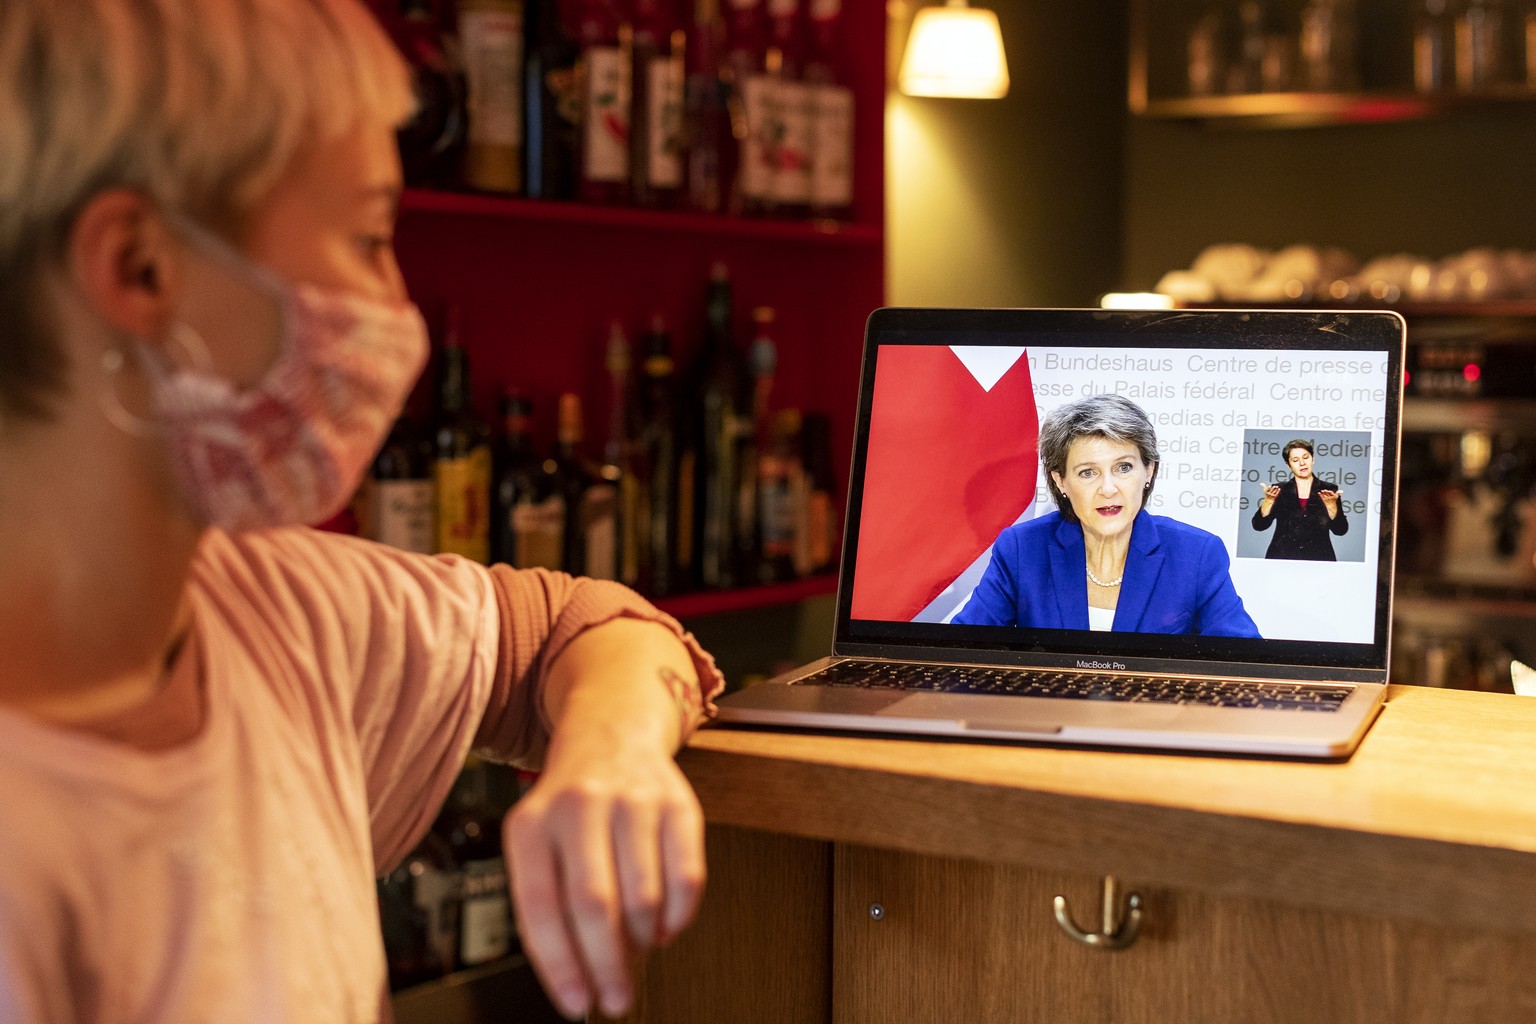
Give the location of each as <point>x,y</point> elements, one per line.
<point>950,464</point>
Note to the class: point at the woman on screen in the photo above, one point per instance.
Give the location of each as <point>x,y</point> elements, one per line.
<point>1102,561</point>
<point>1302,525</point>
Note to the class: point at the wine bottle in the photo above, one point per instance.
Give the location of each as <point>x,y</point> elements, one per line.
<point>744,44</point>
<point>657,463</point>
<point>606,54</point>
<point>656,134</point>
<point>790,180</point>
<point>568,476</point>
<point>706,119</point>
<point>432,141</point>
<point>461,472</point>
<point>783,495</point>
<point>399,492</point>
<point>721,383</point>
<point>816,537</point>
<point>615,524</point>
<point>754,438</point>
<point>471,821</point>
<point>758,69</point>
<point>419,914</point>
<point>523,532</point>
<point>832,110</point>
<point>553,103</point>
<point>491,36</point>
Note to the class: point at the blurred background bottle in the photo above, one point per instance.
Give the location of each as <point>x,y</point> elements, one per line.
<point>432,141</point>
<point>461,472</point>
<point>721,384</point>
<point>553,103</point>
<point>832,108</point>
<point>656,134</point>
<point>706,118</point>
<point>399,494</point>
<point>657,458</point>
<point>523,533</point>
<point>491,38</point>
<point>606,55</point>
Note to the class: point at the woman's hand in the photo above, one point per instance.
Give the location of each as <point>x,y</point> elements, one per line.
<point>1271,492</point>
<point>606,851</point>
<point>1330,502</point>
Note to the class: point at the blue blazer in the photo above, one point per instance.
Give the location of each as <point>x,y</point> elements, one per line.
<point>1176,580</point>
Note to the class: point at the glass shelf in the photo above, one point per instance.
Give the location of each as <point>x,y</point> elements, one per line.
<point>1307,109</point>
<point>827,232</point>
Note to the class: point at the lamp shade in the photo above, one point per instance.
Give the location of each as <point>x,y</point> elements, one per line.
<point>955,51</point>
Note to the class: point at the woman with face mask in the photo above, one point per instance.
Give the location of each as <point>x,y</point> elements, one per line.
<point>216,725</point>
<point>1305,511</point>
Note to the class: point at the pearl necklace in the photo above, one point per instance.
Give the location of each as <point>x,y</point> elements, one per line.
<point>1106,583</point>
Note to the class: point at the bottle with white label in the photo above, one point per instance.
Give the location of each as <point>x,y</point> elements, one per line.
<point>656,123</point>
<point>831,116</point>
<point>399,495</point>
<point>606,77</point>
<point>790,183</point>
<point>491,35</point>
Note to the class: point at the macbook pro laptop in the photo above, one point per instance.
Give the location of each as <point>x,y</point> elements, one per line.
<point>1252,610</point>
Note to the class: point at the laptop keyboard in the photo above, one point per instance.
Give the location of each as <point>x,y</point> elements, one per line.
<point>1008,682</point>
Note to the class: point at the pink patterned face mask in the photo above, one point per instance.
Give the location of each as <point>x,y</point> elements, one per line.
<point>292,448</point>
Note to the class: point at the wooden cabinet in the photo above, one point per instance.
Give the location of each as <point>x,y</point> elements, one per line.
<point>1394,888</point>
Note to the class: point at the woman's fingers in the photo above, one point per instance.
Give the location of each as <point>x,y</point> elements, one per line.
<point>637,858</point>
<point>583,824</point>
<point>682,853</point>
<point>538,898</point>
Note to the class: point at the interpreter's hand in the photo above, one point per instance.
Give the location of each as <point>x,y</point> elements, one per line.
<point>1271,492</point>
<point>1330,502</point>
<point>606,853</point>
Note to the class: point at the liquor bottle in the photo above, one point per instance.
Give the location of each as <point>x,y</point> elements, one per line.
<point>461,472</point>
<point>790,183</point>
<point>568,476</point>
<point>657,463</point>
<point>432,141</point>
<point>744,45</point>
<point>614,499</point>
<point>754,440</point>
<point>606,53</point>
<point>656,130</point>
<point>419,914</point>
<point>782,492</point>
<point>553,103</point>
<point>471,822</point>
<point>721,383</point>
<point>524,533</point>
<point>832,115</point>
<point>706,118</point>
<point>491,36</point>
<point>816,538</point>
<point>399,492</point>
<point>758,70</point>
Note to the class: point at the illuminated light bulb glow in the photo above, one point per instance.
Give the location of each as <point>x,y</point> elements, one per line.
<point>955,51</point>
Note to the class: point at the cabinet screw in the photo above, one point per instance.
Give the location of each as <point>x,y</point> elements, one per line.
<point>876,912</point>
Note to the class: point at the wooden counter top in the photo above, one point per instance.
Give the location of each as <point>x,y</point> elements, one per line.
<point>1433,819</point>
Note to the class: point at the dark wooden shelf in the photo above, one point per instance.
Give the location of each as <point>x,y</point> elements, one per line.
<point>826,232</point>
<point>685,606</point>
<point>1309,109</point>
<point>505,991</point>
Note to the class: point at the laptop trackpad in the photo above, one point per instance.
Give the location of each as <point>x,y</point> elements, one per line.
<point>992,714</point>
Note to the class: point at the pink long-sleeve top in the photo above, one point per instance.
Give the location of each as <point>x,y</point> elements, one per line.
<point>211,855</point>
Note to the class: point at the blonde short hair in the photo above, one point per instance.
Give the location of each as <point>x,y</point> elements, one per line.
<point>200,104</point>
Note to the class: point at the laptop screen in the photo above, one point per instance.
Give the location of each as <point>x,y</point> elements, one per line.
<point>1126,489</point>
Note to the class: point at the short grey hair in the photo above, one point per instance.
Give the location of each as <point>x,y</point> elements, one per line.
<point>1110,416</point>
<point>201,105</point>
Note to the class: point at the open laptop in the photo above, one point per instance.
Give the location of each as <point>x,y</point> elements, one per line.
<point>1230,632</point>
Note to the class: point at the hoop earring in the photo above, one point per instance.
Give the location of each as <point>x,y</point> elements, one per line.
<point>112,363</point>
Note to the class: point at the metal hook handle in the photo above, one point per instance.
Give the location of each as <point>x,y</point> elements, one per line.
<point>1118,933</point>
